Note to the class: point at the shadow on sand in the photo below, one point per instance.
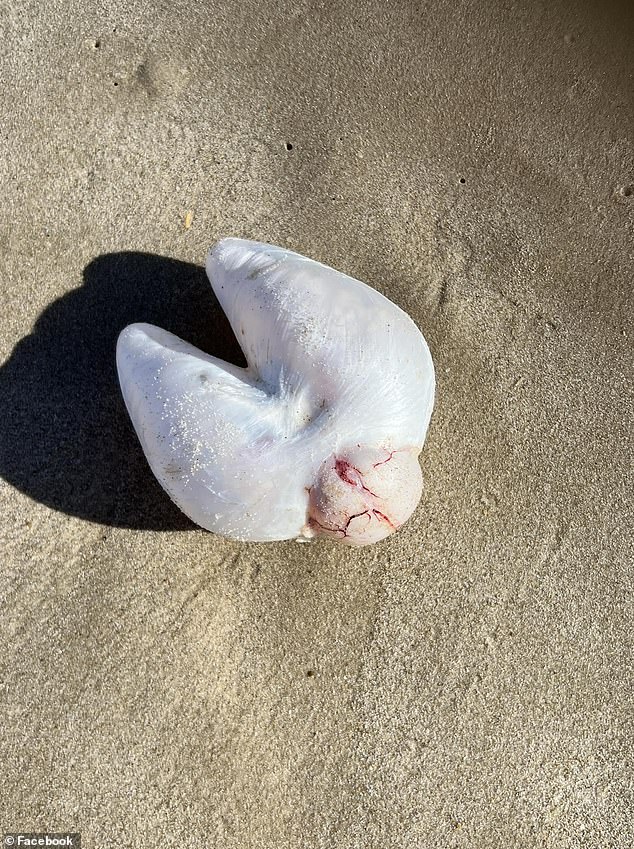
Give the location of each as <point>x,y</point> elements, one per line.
<point>65,438</point>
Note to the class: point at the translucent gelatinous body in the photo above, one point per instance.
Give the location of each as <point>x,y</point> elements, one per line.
<point>319,435</point>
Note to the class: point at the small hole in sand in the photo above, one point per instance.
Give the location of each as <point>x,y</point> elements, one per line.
<point>115,83</point>
<point>97,44</point>
<point>288,146</point>
<point>309,673</point>
<point>627,191</point>
<point>462,180</point>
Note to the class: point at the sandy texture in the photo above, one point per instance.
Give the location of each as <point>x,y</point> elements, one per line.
<point>467,683</point>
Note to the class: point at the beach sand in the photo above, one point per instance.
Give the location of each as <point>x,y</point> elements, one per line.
<point>468,682</point>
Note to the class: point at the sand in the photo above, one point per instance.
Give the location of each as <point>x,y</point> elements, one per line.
<point>467,683</point>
